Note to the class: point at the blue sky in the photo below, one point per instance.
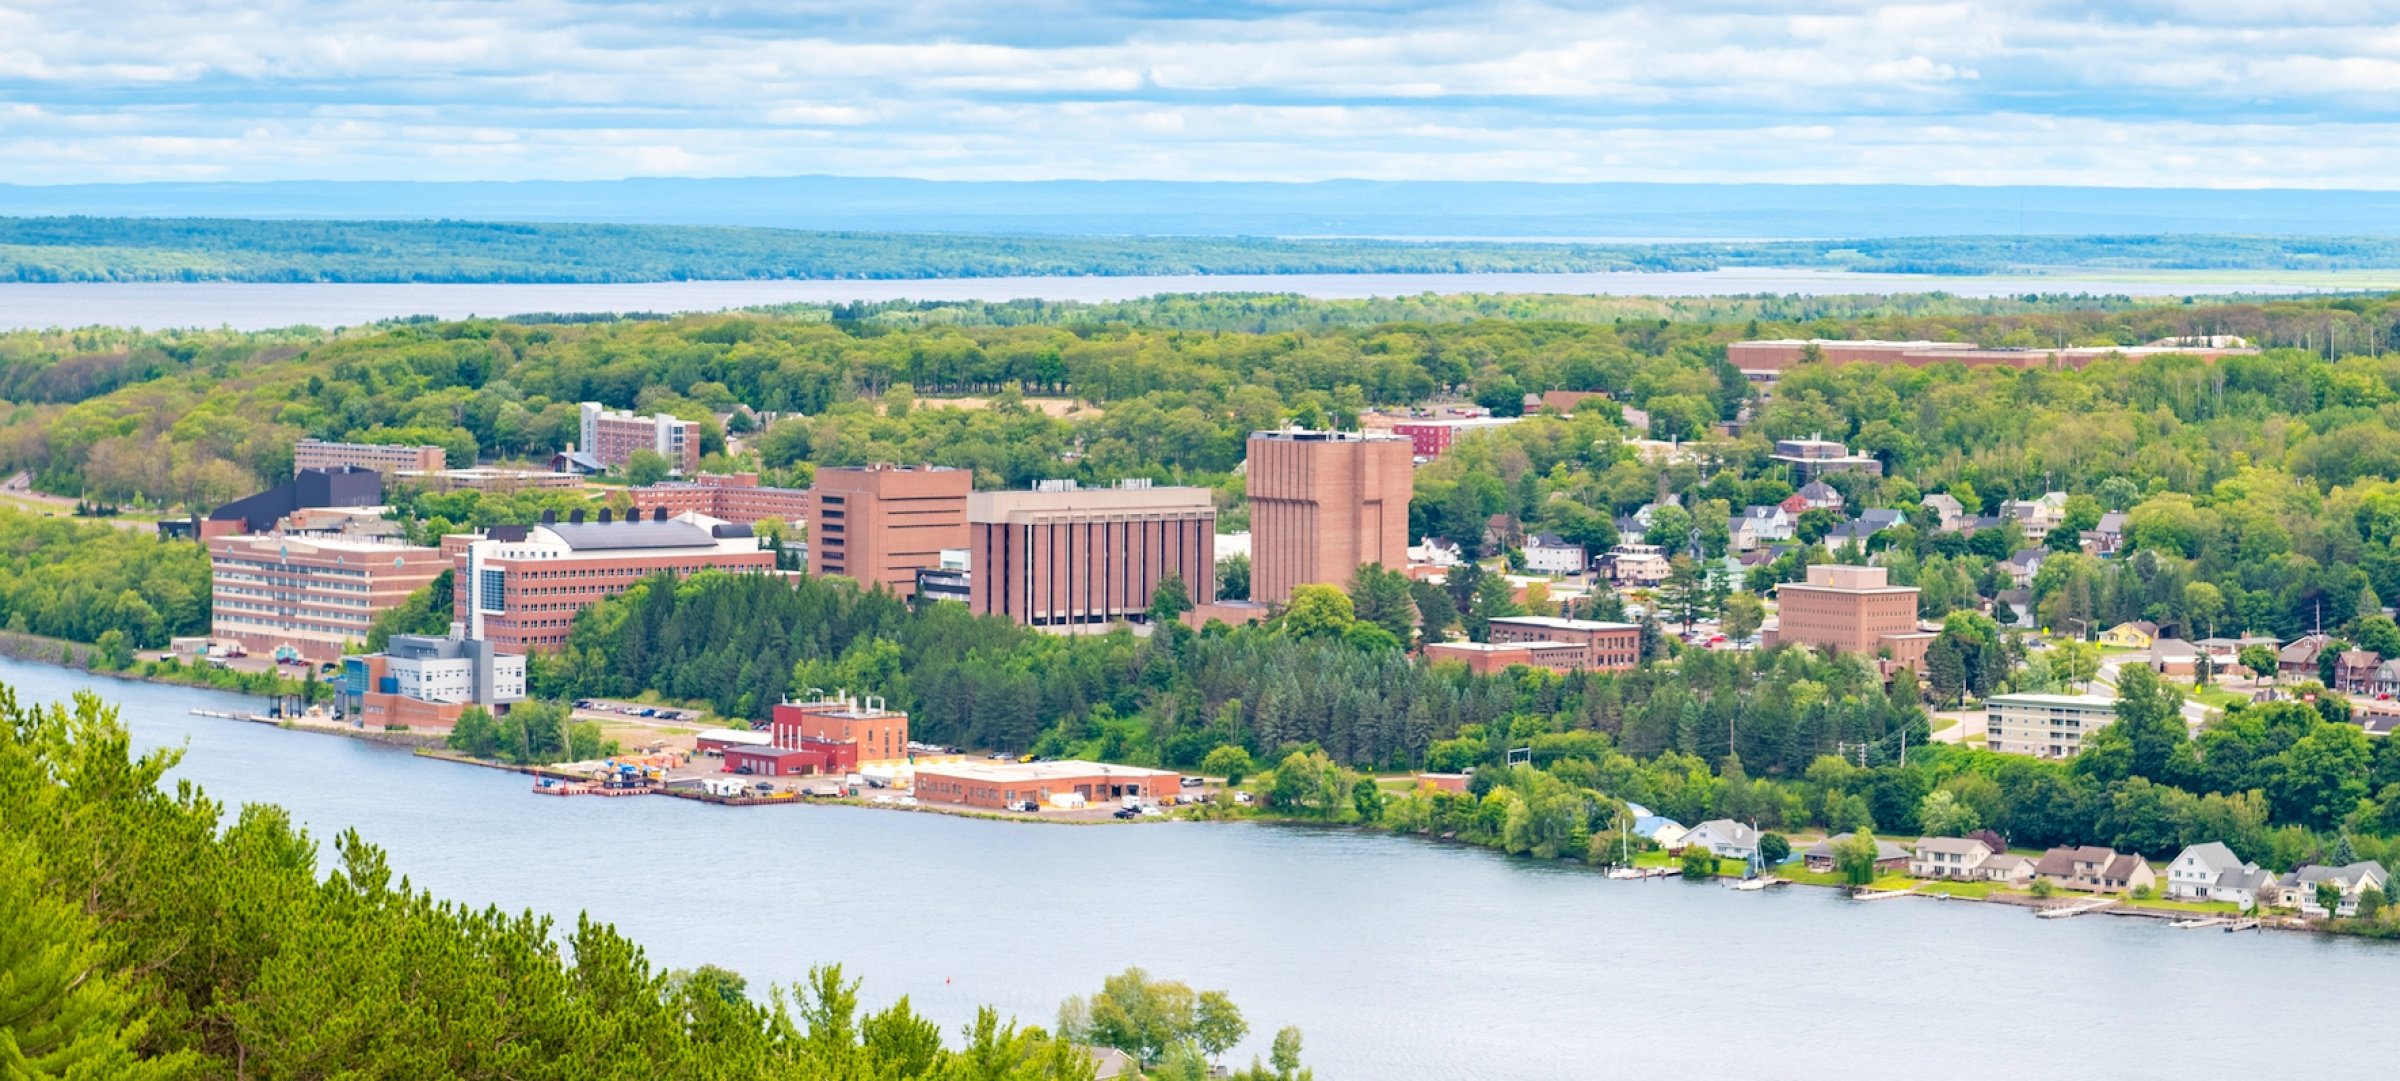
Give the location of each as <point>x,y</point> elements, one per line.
<point>2197,93</point>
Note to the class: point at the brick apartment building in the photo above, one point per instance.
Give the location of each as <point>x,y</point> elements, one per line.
<point>1428,439</point>
<point>1492,658</point>
<point>311,593</point>
<point>1062,556</point>
<point>520,587</point>
<point>385,458</point>
<point>881,524</point>
<point>997,785</point>
<point>1606,647</point>
<point>732,497</point>
<point>1851,610</point>
<point>1322,504</point>
<point>611,436</point>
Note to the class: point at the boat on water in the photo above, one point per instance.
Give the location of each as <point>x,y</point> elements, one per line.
<point>1751,884</point>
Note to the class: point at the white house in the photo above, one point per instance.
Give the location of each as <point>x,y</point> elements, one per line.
<point>1725,837</point>
<point>1949,857</point>
<point>1759,525</point>
<point>1548,553</point>
<point>1946,508</point>
<point>1638,564</point>
<point>2196,871</point>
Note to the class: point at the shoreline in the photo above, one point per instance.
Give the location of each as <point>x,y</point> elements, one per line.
<point>426,746</point>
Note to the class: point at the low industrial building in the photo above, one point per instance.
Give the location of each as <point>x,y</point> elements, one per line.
<point>343,486</point>
<point>1603,647</point>
<point>850,732</point>
<point>999,785</point>
<point>1491,658</point>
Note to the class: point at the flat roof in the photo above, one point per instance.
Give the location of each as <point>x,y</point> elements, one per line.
<point>1020,772</point>
<point>1557,624</point>
<point>2039,699</point>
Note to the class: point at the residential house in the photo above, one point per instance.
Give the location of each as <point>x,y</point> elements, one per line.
<point>2299,889</point>
<point>2354,670</point>
<point>2132,634</point>
<point>1659,830</point>
<point>2014,608</point>
<point>2107,538</point>
<point>1548,553</point>
<point>1948,511</point>
<point>1977,523</point>
<point>2248,887</point>
<point>1638,564</point>
<point>1856,531</point>
<point>2036,517</point>
<point>2386,683</point>
<point>1821,857</point>
<point>1723,836</point>
<point>2194,873</point>
<point>2023,564</point>
<point>1949,857</point>
<point>1643,515</point>
<point>1815,495</point>
<point>2299,659</point>
<point>2093,869</point>
<point>1434,552</point>
<point>1110,1064</point>
<point>2008,869</point>
<point>1757,526</point>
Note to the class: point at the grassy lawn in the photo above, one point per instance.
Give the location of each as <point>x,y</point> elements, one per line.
<point>2203,908</point>
<point>2213,695</point>
<point>1944,724</point>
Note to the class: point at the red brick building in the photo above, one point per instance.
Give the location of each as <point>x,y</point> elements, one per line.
<point>613,435</point>
<point>1323,504</point>
<point>996,785</point>
<point>850,732</point>
<point>1604,646</point>
<point>881,524</point>
<point>1062,556</point>
<point>1851,610</point>
<point>311,593</point>
<point>1492,658</point>
<point>733,497</point>
<point>1428,439</point>
<point>520,588</point>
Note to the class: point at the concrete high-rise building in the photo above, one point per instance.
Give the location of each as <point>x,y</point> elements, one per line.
<point>882,523</point>
<point>1851,610</point>
<point>613,435</point>
<point>1322,504</point>
<point>1063,556</point>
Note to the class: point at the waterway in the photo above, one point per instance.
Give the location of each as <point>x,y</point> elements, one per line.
<point>1401,960</point>
<point>266,305</point>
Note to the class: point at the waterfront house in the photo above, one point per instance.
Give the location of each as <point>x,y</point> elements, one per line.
<point>2131,634</point>
<point>2006,868</point>
<point>2093,869</point>
<point>2196,870</point>
<point>2299,888</point>
<point>1821,856</point>
<point>1949,857</point>
<point>1723,836</point>
<point>1110,1064</point>
<point>2244,886</point>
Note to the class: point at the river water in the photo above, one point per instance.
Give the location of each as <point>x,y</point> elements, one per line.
<point>1401,960</point>
<point>266,305</point>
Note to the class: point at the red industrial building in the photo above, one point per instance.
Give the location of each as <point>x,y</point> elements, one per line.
<point>850,731</point>
<point>999,785</point>
<point>1429,438</point>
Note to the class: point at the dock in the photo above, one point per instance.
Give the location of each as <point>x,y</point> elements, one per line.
<point>1880,895</point>
<point>2089,904</point>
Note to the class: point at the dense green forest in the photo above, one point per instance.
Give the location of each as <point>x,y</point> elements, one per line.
<point>148,932</point>
<point>229,249</point>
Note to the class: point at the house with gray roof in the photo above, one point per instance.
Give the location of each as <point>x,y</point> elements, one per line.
<point>2093,869</point>
<point>1725,837</point>
<point>2299,888</point>
<point>2196,870</point>
<point>1949,857</point>
<point>1821,856</point>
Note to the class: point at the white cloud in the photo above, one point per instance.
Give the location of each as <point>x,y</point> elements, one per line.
<point>1977,91</point>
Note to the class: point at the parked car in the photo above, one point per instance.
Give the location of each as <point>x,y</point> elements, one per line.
<point>1152,810</point>
<point>1241,797</point>
<point>1027,806</point>
<point>908,801</point>
<point>1127,812</point>
<point>1193,782</point>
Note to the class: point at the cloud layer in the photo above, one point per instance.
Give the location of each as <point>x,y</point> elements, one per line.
<point>2197,93</point>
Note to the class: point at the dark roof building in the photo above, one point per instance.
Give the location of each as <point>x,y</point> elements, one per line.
<point>348,486</point>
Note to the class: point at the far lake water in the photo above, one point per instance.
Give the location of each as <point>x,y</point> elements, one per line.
<point>1401,960</point>
<point>261,306</point>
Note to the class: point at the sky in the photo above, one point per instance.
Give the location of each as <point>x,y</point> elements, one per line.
<point>2174,93</point>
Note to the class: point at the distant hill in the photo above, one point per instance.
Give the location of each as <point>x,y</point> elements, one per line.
<point>229,249</point>
<point>1333,208</point>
